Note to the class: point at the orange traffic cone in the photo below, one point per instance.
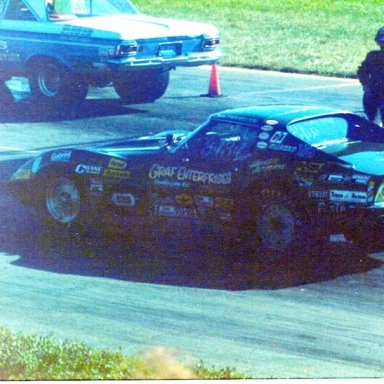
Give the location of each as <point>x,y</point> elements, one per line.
<point>214,83</point>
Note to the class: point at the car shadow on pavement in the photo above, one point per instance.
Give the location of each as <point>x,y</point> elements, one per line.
<point>27,112</point>
<point>173,254</point>
<point>173,258</point>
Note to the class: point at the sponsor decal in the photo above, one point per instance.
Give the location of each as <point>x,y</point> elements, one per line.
<point>61,156</point>
<point>172,184</point>
<point>348,196</point>
<point>371,186</point>
<point>336,178</point>
<point>90,169</point>
<point>184,200</point>
<point>267,128</point>
<point>262,145</point>
<point>185,174</point>
<point>309,167</point>
<point>338,208</point>
<point>162,200</point>
<point>96,185</point>
<point>340,178</point>
<point>282,148</point>
<point>226,217</point>
<point>117,173</point>
<point>206,201</point>
<point>271,122</point>
<point>123,200</point>
<point>36,164</point>
<point>323,207</point>
<point>10,57</point>
<point>106,51</point>
<point>266,165</point>
<point>305,181</point>
<point>224,203</point>
<point>361,179</point>
<point>117,164</point>
<point>323,195</point>
<point>264,136</point>
<point>279,137</point>
<point>165,210</point>
<point>22,174</point>
<point>172,211</point>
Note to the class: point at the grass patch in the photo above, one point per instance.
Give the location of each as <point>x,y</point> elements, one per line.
<point>327,37</point>
<point>24,357</point>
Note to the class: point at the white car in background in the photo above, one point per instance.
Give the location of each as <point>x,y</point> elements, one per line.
<point>63,48</point>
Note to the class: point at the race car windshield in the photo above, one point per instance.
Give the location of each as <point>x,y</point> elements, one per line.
<point>83,8</point>
<point>354,141</point>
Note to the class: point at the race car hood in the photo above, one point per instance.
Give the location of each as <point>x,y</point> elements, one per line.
<point>136,27</point>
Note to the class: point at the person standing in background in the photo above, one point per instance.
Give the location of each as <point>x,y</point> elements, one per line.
<point>371,76</point>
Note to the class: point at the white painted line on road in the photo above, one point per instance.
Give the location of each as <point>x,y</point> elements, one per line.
<point>300,89</point>
<point>17,149</point>
<point>281,73</point>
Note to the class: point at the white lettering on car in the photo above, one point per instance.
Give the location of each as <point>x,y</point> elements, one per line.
<point>91,169</point>
<point>348,196</point>
<point>185,174</point>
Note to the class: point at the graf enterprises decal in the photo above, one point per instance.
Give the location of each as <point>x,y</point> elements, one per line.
<point>185,174</point>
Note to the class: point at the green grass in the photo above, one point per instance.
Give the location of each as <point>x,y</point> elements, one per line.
<point>310,36</point>
<point>24,357</point>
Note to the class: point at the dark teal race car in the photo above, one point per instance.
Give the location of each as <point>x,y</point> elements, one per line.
<point>278,178</point>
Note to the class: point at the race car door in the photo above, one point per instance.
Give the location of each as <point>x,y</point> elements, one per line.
<point>201,178</point>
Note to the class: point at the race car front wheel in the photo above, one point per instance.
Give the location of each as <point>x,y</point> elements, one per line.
<point>63,200</point>
<point>54,85</point>
<point>144,86</point>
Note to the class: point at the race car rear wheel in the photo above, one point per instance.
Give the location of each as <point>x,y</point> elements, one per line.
<point>143,86</point>
<point>63,200</point>
<point>54,85</point>
<point>282,226</point>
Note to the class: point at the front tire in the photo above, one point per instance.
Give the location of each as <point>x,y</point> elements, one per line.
<point>141,86</point>
<point>64,201</point>
<point>52,84</point>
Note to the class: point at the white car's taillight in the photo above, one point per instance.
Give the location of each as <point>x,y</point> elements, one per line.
<point>211,43</point>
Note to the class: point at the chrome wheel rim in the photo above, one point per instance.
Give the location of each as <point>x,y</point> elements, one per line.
<point>63,200</point>
<point>49,80</point>
<point>276,227</point>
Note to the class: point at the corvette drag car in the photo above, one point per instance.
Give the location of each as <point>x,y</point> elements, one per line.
<point>278,177</point>
<point>65,46</point>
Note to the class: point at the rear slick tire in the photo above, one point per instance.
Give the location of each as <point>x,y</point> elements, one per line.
<point>54,86</point>
<point>283,227</point>
<point>140,87</point>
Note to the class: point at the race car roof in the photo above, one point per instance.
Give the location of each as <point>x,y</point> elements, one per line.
<point>282,113</point>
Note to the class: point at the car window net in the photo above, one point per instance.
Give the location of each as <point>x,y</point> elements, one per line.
<point>226,141</point>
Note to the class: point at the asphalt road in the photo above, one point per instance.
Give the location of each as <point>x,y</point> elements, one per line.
<point>317,316</point>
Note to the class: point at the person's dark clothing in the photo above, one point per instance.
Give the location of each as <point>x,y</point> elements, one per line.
<point>371,76</point>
